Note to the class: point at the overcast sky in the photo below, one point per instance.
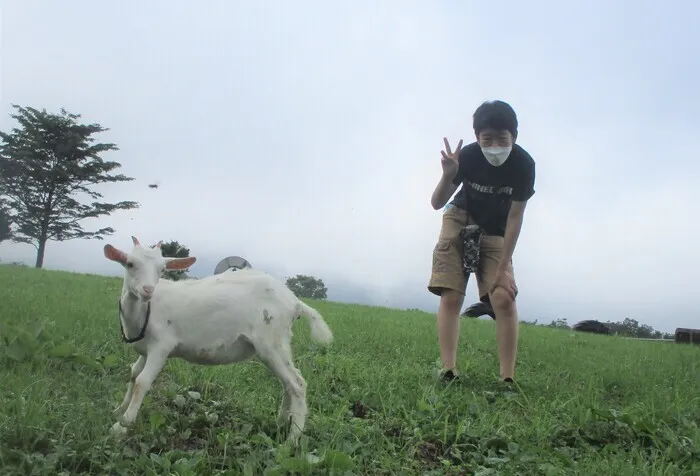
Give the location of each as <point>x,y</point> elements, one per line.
<point>306,137</point>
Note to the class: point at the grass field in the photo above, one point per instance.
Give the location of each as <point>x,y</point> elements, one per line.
<point>587,405</point>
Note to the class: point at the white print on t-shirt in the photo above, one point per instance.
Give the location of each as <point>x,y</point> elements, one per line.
<point>491,189</point>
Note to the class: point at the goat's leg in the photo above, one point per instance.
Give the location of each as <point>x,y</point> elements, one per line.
<point>283,414</point>
<point>136,369</point>
<point>155,361</point>
<point>278,359</point>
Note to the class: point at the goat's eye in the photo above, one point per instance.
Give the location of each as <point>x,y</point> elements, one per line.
<point>129,264</point>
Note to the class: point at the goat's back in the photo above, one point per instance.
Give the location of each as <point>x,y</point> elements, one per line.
<point>243,291</point>
<point>211,314</point>
<point>252,281</point>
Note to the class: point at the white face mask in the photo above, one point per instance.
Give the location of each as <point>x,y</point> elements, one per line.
<point>496,155</point>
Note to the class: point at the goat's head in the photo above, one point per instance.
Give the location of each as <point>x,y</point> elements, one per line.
<point>144,266</point>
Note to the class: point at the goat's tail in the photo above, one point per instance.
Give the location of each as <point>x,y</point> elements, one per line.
<point>320,332</point>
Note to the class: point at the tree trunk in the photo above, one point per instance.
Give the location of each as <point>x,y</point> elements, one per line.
<point>44,230</point>
<point>40,253</point>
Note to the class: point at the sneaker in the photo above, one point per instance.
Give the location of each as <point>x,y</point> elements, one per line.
<point>479,309</point>
<point>448,375</point>
<point>509,385</point>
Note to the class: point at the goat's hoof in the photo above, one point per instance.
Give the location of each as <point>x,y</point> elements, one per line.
<point>292,440</point>
<point>283,421</point>
<point>124,421</point>
<point>117,431</point>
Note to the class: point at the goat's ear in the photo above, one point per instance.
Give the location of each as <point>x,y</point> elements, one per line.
<point>135,240</point>
<point>114,254</point>
<point>179,263</point>
<point>159,244</point>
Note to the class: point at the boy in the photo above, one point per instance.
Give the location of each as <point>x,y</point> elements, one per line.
<point>497,178</point>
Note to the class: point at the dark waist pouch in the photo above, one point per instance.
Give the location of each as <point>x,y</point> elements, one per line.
<point>471,240</point>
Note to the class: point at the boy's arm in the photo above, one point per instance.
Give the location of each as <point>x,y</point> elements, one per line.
<point>443,191</point>
<point>452,175</point>
<point>514,224</point>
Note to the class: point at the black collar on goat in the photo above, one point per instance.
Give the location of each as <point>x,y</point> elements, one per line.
<point>143,329</point>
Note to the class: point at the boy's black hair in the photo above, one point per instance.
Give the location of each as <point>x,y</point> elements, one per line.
<point>498,115</point>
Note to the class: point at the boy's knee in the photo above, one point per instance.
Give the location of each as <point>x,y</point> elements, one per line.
<point>452,299</point>
<point>500,299</point>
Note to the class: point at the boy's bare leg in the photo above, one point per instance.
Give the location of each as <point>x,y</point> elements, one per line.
<point>507,330</point>
<point>504,307</point>
<point>448,326</point>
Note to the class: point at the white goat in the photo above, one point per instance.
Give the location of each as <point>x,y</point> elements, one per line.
<point>221,319</point>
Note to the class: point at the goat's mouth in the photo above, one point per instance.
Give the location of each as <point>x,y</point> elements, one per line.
<point>141,296</point>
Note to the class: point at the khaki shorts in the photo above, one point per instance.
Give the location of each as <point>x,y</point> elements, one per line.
<point>447,257</point>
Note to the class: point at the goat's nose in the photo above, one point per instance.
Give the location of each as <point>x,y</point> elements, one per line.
<point>148,289</point>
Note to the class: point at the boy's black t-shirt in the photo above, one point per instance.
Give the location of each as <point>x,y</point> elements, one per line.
<point>488,191</point>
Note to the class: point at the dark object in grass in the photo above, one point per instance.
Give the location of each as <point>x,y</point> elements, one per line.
<point>358,409</point>
<point>687,336</point>
<point>479,309</point>
<point>593,326</point>
<point>430,450</point>
<point>448,375</point>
